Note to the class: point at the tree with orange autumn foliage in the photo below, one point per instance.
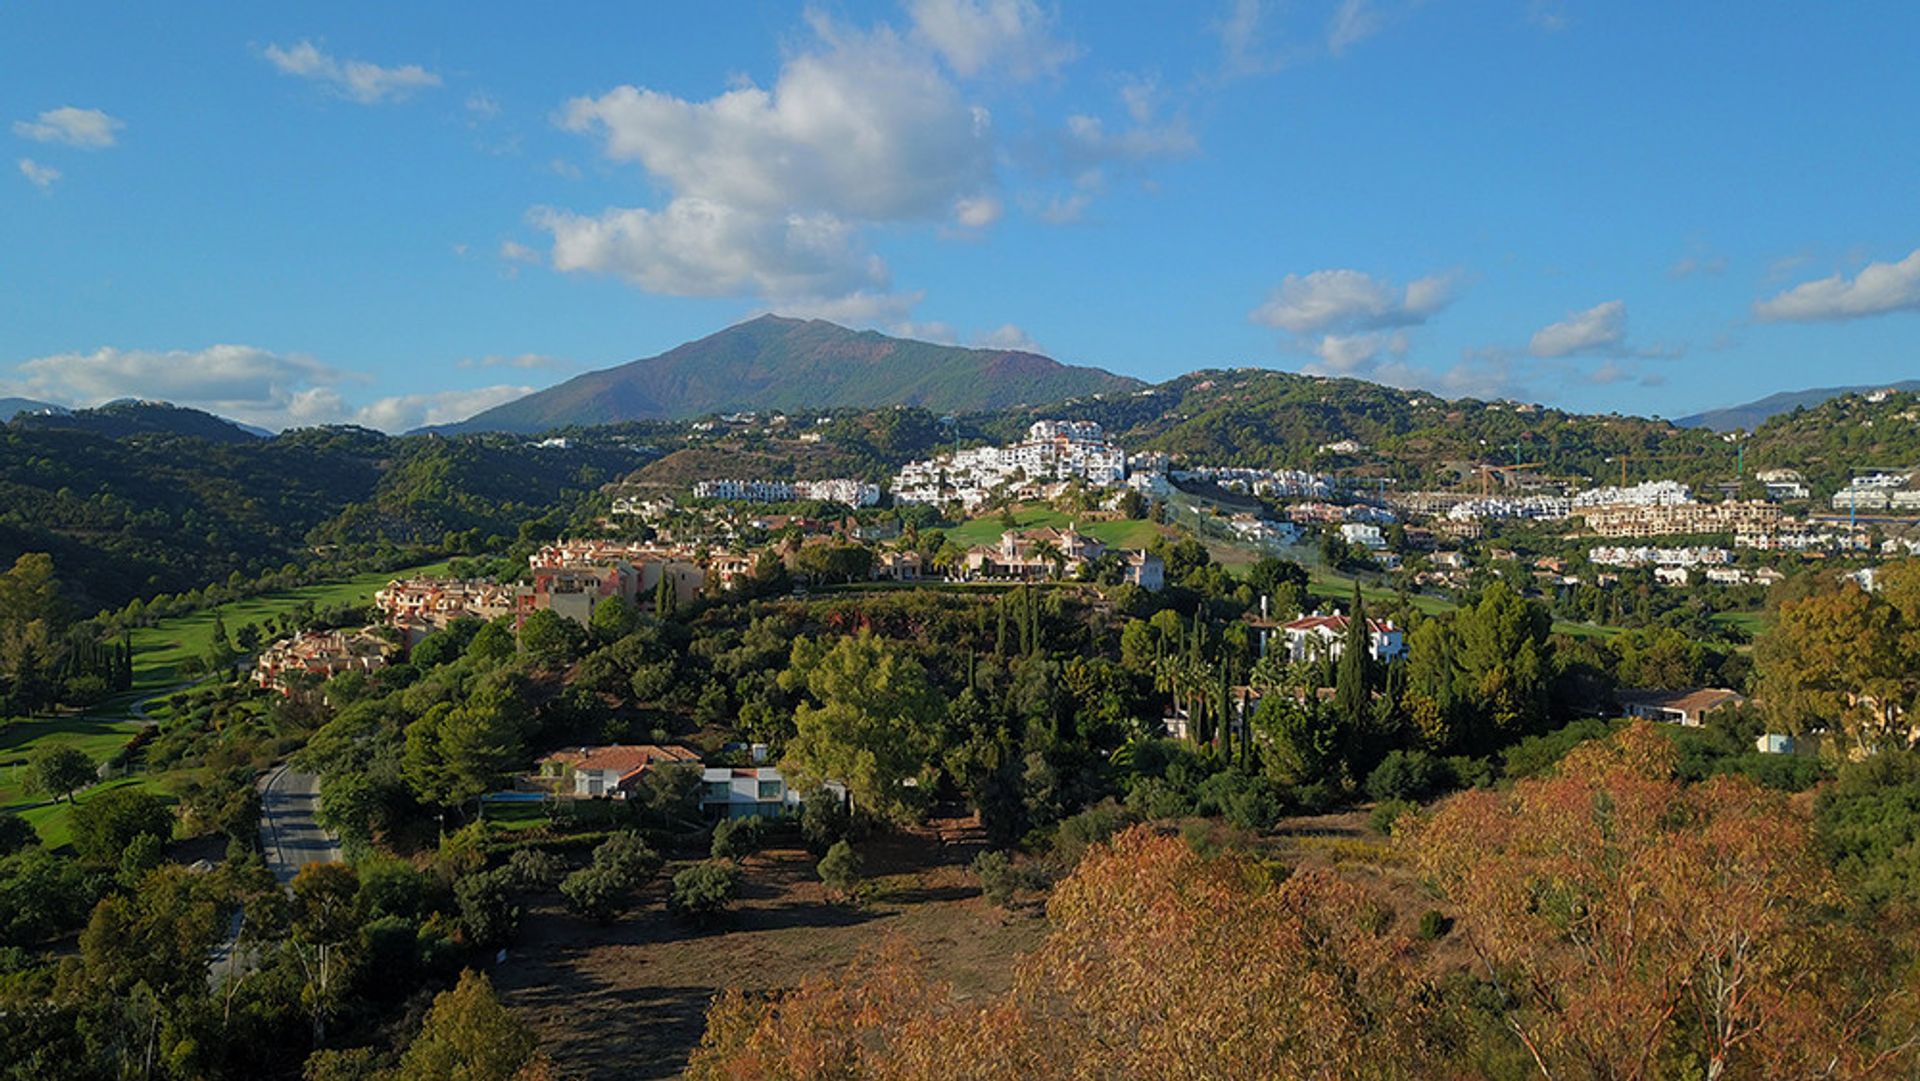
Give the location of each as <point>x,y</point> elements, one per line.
<point>1637,927</point>
<point>1159,964</point>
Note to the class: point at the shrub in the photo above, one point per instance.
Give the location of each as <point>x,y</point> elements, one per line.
<point>703,892</point>
<point>1090,827</point>
<point>839,869</point>
<point>626,855</point>
<point>16,833</point>
<point>1433,925</point>
<point>1249,803</point>
<point>598,893</point>
<point>738,838</point>
<point>824,821</point>
<point>1389,812</point>
<point>1405,775</point>
<point>487,912</point>
<point>998,879</point>
<point>1153,798</point>
<point>536,869</point>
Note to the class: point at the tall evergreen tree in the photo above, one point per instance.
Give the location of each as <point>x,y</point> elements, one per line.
<point>1353,681</point>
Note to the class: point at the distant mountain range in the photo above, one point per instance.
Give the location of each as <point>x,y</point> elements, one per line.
<point>1750,416</point>
<point>12,407</point>
<point>116,420</point>
<point>775,363</point>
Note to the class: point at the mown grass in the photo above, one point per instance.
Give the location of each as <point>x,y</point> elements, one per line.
<point>102,731</point>
<point>159,650</point>
<point>1125,533</point>
<point>54,821</point>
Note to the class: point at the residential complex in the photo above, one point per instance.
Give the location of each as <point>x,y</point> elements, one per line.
<point>319,655</point>
<point>1053,453</point>
<point>853,493</point>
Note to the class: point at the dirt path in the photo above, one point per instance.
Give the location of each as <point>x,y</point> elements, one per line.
<point>630,1000</point>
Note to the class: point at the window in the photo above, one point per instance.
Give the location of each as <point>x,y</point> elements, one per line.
<point>715,791</point>
<point>770,790</point>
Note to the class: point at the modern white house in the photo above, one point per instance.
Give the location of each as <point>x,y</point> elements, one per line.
<point>1365,534</point>
<point>1144,569</point>
<point>746,792</point>
<point>1310,636</point>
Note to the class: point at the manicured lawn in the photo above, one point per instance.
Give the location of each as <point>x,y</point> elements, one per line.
<point>158,650</point>
<point>1753,623</point>
<point>53,821</point>
<point>1126,533</point>
<point>1326,586</point>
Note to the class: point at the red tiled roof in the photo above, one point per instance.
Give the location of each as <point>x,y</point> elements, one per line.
<point>1335,624</point>
<point>625,759</point>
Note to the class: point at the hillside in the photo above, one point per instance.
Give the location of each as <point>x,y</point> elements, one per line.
<point>774,363</point>
<point>132,517</point>
<point>1750,416</point>
<point>117,420</point>
<point>12,407</point>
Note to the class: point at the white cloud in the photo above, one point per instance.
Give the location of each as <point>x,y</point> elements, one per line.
<point>698,247</point>
<point>409,411</point>
<point>515,252</point>
<point>860,308</point>
<point>482,106</point>
<point>1353,22</point>
<point>245,383</point>
<point>862,129</point>
<point>977,211</point>
<point>1690,265</point>
<point>1879,288</point>
<point>931,331</point>
<point>1350,301</point>
<point>973,36</point>
<point>239,381</point>
<point>368,84</point>
<point>1356,354</point>
<point>1251,45</point>
<point>40,176</point>
<point>769,189</point>
<point>1087,141</point>
<point>1008,336</point>
<point>1243,41</point>
<point>89,129</point>
<point>1601,329</point>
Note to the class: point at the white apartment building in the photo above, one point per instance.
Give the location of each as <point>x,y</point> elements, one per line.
<point>1054,451</point>
<point>1653,493</point>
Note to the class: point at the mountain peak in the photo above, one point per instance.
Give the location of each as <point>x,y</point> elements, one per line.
<point>783,363</point>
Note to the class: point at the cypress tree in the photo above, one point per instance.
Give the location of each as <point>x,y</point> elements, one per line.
<point>1352,700</point>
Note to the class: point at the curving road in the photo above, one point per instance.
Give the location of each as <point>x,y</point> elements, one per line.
<point>289,834</point>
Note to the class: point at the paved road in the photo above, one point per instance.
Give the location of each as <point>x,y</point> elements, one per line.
<point>289,834</point>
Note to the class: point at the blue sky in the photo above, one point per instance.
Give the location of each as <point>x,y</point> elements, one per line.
<point>398,214</point>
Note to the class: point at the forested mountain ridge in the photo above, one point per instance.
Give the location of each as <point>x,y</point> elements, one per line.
<point>774,363</point>
<point>125,418</point>
<point>147,514</point>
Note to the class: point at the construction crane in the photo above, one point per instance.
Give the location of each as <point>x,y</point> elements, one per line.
<point>1487,472</point>
<point>1624,458</point>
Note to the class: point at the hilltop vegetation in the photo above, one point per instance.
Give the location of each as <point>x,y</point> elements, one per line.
<point>792,364</point>
<point>133,517</point>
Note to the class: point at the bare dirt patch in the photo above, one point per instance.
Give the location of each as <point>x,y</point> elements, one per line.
<point>629,1000</point>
